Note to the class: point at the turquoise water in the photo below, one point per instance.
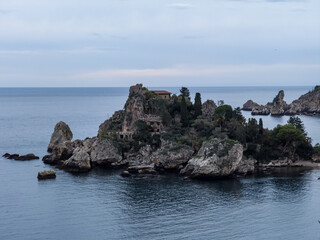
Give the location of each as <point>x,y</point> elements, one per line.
<point>102,205</point>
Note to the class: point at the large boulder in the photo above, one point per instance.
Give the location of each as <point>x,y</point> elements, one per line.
<point>78,162</point>
<point>246,166</point>
<point>47,174</point>
<point>208,109</point>
<point>105,154</point>
<point>60,134</point>
<point>61,152</point>
<point>217,158</point>
<point>250,105</point>
<point>172,156</point>
<point>140,160</point>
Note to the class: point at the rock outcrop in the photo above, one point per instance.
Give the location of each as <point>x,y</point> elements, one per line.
<point>250,105</point>
<point>278,106</point>
<point>104,154</point>
<point>47,174</point>
<point>168,157</point>
<point>216,159</point>
<point>307,104</point>
<point>60,134</point>
<point>78,162</point>
<point>82,155</point>
<point>208,108</point>
<point>29,156</point>
<point>112,124</point>
<point>172,156</point>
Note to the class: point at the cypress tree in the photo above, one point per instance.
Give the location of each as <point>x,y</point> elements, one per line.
<point>184,113</point>
<point>260,126</point>
<point>197,105</point>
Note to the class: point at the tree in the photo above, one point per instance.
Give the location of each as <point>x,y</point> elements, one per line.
<point>197,105</point>
<point>220,102</point>
<point>223,113</point>
<point>252,130</point>
<point>237,115</point>
<point>184,92</point>
<point>297,123</point>
<point>260,126</point>
<point>289,138</point>
<point>184,113</point>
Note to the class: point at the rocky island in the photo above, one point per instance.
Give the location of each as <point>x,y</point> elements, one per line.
<point>307,104</point>
<point>158,132</point>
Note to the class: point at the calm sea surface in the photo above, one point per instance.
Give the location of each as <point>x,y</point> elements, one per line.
<point>103,205</point>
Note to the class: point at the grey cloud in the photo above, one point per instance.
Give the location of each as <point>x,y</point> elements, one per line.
<point>180,6</point>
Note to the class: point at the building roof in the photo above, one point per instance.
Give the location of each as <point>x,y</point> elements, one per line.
<point>161,92</point>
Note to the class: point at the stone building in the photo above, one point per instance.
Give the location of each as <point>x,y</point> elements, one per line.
<point>163,94</point>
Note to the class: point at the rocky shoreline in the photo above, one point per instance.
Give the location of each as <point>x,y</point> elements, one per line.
<point>120,144</point>
<point>307,104</point>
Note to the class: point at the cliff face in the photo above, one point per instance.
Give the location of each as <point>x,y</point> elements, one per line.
<point>82,155</point>
<point>307,104</point>
<point>217,158</point>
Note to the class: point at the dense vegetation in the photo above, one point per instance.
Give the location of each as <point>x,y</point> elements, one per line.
<point>185,124</point>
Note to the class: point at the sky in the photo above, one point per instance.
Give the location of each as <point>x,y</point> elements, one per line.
<point>109,43</point>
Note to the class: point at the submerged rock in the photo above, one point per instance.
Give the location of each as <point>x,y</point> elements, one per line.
<point>125,174</point>
<point>47,174</point>
<point>60,134</point>
<point>29,156</point>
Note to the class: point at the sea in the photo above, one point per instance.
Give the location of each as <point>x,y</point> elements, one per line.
<point>100,204</point>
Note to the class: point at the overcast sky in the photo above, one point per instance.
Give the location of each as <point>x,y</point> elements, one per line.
<point>79,43</point>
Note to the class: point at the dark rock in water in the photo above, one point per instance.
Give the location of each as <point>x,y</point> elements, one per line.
<point>250,105</point>
<point>6,155</point>
<point>11,156</point>
<point>29,156</point>
<point>47,174</point>
<point>278,106</point>
<point>125,174</point>
<point>60,134</point>
<point>307,104</point>
<point>147,171</point>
